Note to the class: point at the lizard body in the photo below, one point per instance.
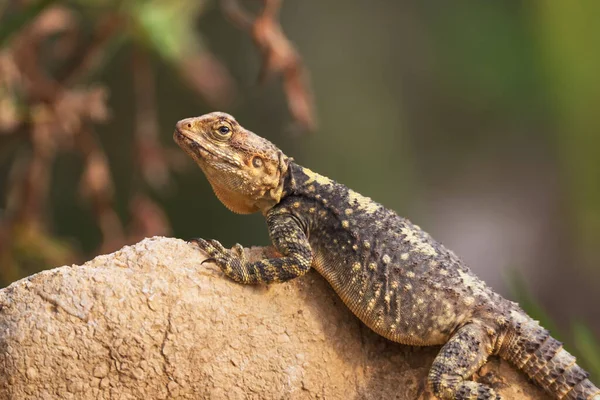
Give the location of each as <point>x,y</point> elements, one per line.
<point>391,274</point>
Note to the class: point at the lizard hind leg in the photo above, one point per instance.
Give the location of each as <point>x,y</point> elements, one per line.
<point>466,351</point>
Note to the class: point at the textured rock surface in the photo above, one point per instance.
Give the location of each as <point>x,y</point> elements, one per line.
<point>149,322</point>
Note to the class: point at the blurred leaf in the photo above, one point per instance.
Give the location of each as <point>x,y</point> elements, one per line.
<point>167,27</point>
<point>519,290</point>
<point>588,348</point>
<point>568,34</point>
<point>32,250</point>
<point>16,22</point>
<point>486,60</point>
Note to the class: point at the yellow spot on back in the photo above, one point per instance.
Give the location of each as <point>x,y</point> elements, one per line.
<point>387,298</point>
<point>356,267</point>
<point>312,210</point>
<point>367,244</point>
<point>372,266</point>
<point>394,284</point>
<point>345,224</point>
<point>410,274</point>
<point>404,256</point>
<point>348,211</point>
<point>371,304</point>
<point>296,204</point>
<point>361,202</point>
<point>314,177</point>
<point>477,286</point>
<point>418,244</point>
<point>407,286</point>
<point>311,188</point>
<point>386,259</point>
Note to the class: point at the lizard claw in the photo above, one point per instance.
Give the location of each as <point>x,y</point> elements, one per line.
<point>208,260</point>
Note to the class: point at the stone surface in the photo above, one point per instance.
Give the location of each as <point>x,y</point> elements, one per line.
<point>149,322</point>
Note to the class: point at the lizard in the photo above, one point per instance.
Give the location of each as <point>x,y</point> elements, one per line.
<point>390,273</point>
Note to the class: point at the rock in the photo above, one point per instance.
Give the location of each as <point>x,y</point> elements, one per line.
<point>150,322</point>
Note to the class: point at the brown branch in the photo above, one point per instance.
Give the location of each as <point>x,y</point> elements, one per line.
<point>30,190</point>
<point>147,219</point>
<point>279,57</point>
<point>96,186</point>
<point>236,14</point>
<point>149,154</point>
<point>90,55</point>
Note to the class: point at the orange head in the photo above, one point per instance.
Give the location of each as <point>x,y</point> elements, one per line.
<point>245,170</point>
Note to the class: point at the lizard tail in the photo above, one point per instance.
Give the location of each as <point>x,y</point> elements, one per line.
<point>531,349</point>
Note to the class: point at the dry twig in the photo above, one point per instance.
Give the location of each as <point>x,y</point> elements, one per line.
<point>279,57</point>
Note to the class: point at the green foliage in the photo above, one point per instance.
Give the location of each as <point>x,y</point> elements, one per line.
<point>568,35</point>
<point>581,341</point>
<point>522,294</point>
<point>167,27</point>
<point>588,347</point>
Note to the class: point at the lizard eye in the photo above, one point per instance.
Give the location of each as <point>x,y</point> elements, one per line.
<point>257,162</point>
<point>222,132</point>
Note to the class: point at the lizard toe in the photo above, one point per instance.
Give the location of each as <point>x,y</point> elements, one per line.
<point>207,247</point>
<point>217,245</point>
<point>238,249</point>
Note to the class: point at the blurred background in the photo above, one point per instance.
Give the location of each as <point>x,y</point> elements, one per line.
<point>480,121</point>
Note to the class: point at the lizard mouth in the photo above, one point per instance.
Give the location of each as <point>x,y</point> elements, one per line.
<point>191,145</point>
<point>200,152</point>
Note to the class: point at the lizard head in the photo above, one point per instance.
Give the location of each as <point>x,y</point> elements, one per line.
<point>245,171</point>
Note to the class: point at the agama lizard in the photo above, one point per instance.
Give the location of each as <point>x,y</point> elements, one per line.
<point>392,275</point>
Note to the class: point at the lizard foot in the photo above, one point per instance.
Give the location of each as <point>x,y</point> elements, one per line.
<point>225,259</point>
<point>492,379</point>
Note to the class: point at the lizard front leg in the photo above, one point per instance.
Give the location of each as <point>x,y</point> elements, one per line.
<point>288,237</point>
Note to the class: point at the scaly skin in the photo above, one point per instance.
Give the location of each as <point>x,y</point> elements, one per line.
<point>392,275</point>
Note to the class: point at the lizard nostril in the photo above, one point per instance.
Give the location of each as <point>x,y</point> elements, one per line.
<point>189,125</point>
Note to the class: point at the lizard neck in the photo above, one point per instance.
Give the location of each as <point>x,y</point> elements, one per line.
<point>302,181</point>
